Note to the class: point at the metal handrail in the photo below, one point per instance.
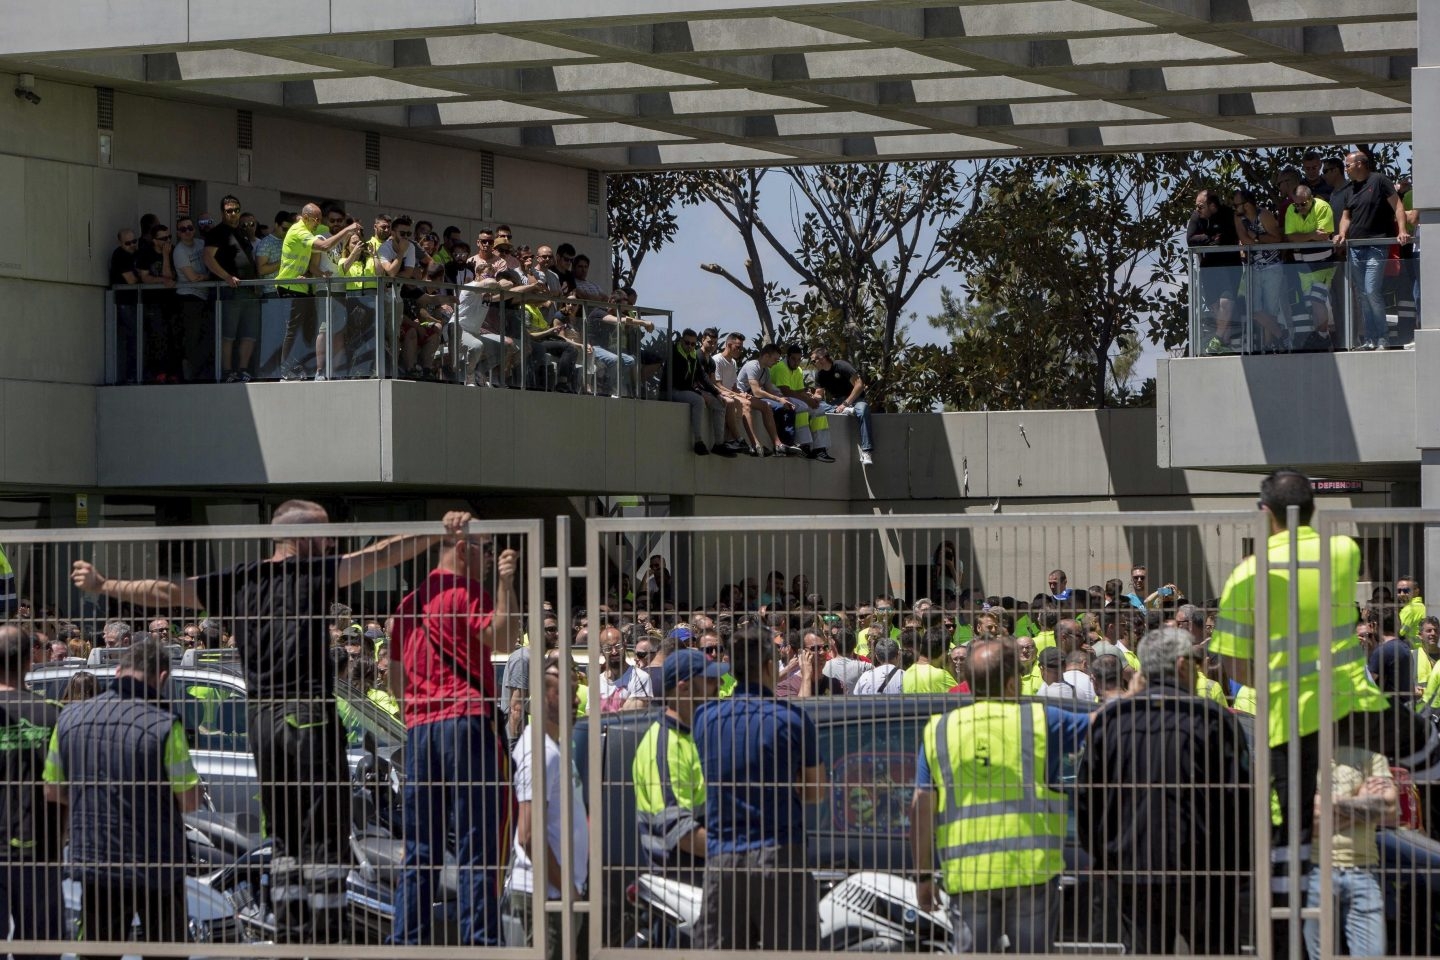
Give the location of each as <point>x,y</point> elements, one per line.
<point>1301,245</point>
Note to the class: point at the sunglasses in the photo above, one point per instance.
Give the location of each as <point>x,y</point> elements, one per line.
<point>404,234</point>
<point>186,229</point>
<point>815,649</point>
<point>230,211</point>
<point>644,654</point>
<point>130,243</point>
<point>709,651</point>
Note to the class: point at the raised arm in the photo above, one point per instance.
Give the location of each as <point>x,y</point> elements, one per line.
<point>504,627</point>
<point>159,594</point>
<point>393,551</point>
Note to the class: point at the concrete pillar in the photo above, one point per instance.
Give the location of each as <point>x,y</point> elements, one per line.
<point>1425,89</point>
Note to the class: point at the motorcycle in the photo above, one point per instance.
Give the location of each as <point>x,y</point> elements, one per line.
<point>865,912</point>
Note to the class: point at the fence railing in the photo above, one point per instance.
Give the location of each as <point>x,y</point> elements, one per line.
<point>820,815</point>
<point>341,328</point>
<point>1302,297</point>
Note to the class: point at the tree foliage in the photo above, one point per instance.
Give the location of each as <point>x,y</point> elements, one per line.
<point>640,213</point>
<point>1101,265</point>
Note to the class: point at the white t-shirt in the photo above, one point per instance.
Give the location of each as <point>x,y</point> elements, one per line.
<point>726,371</point>
<point>846,670</point>
<point>883,679</point>
<point>522,872</point>
<point>634,683</point>
<point>1084,686</point>
<point>387,253</point>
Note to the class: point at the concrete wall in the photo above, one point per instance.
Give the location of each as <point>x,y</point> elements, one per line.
<point>1344,414</point>
<point>62,209</point>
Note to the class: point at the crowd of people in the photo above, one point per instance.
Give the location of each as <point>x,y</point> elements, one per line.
<point>1111,675</point>
<point>513,315</point>
<point>1320,209</point>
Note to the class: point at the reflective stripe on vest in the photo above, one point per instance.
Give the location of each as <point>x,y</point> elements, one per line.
<point>997,824</point>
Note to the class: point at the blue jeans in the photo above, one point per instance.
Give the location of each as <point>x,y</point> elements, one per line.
<point>1361,912</point>
<point>860,410</point>
<point>30,895</point>
<point>1367,266</point>
<point>457,780</point>
<point>609,361</point>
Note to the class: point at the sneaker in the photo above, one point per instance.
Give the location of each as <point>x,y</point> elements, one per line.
<point>320,378</point>
<point>700,449</point>
<point>737,446</point>
<point>750,451</point>
<point>822,455</point>
<point>232,377</point>
<point>722,450</point>
<point>1409,346</point>
<point>245,377</point>
<point>1365,345</point>
<point>292,374</point>
<point>791,450</point>
<point>763,452</point>
<point>1382,344</point>
<point>865,458</point>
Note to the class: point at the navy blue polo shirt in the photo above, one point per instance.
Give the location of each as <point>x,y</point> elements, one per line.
<point>752,748</point>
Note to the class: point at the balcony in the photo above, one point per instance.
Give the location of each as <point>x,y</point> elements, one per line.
<point>1310,299</point>
<point>364,328</point>
<point>1331,408</point>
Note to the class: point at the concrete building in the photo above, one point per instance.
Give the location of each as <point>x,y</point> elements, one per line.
<point>122,112</point>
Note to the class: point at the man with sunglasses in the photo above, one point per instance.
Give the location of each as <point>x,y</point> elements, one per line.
<point>277,608</point>
<point>1309,220</point>
<point>230,257</point>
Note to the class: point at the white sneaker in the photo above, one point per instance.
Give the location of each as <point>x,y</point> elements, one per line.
<point>1382,344</point>
<point>865,458</point>
<point>319,377</point>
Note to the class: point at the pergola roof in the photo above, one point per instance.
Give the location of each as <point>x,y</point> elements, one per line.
<point>644,84</point>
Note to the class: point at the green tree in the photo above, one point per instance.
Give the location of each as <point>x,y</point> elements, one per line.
<point>1101,264</point>
<point>640,211</point>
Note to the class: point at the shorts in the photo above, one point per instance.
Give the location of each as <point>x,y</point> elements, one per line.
<point>1267,284</point>
<point>239,314</point>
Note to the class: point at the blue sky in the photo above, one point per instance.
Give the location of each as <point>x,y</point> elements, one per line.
<point>673,278</point>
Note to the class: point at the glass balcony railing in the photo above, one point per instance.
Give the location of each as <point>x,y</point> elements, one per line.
<point>1303,298</point>
<point>347,328</point>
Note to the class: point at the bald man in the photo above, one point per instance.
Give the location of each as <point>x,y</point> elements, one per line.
<point>970,760</point>
<point>278,609</point>
<point>298,253</point>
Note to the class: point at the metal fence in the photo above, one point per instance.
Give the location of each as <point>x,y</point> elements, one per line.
<point>833,822</point>
<point>342,328</point>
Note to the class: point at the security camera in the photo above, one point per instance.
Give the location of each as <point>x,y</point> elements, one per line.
<point>25,89</point>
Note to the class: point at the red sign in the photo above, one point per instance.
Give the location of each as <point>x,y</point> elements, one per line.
<point>182,199</point>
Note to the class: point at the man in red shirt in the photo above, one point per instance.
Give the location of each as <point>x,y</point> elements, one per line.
<point>456,765</point>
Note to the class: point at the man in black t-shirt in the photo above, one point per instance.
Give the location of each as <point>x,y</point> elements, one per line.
<point>33,829</point>
<point>1213,225</point>
<point>163,332</point>
<point>1372,210</point>
<point>845,389</point>
<point>123,273</point>
<point>230,257</point>
<point>279,611</point>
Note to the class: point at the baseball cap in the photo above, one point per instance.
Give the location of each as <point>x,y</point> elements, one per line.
<point>688,664</point>
<point>1052,657</point>
<point>354,633</point>
<point>373,634</point>
<point>680,633</point>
